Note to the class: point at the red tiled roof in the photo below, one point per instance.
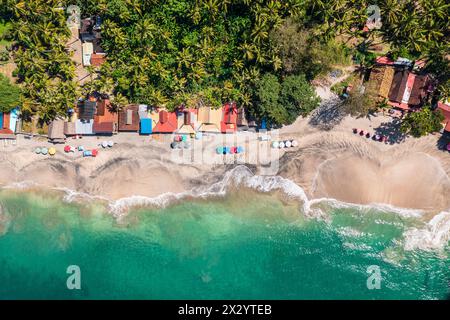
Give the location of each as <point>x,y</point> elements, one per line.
<point>6,131</point>
<point>384,60</point>
<point>103,127</point>
<point>97,59</point>
<point>104,114</point>
<point>445,109</point>
<point>419,90</point>
<point>403,106</point>
<point>167,122</point>
<point>398,85</point>
<point>229,118</point>
<point>123,117</point>
<point>6,116</point>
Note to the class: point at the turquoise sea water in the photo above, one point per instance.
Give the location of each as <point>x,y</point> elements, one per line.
<point>243,246</point>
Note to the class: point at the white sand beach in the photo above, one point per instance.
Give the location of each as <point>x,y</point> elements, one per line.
<point>338,164</point>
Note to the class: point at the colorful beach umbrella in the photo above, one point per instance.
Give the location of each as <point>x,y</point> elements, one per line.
<point>44,151</point>
<point>105,144</point>
<point>38,150</point>
<point>275,144</point>
<point>67,149</point>
<point>294,143</point>
<point>52,151</point>
<point>219,150</point>
<point>110,144</point>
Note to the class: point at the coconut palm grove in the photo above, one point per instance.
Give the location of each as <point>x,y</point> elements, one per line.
<point>262,54</point>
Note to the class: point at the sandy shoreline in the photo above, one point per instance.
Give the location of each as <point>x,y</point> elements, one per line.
<point>327,164</point>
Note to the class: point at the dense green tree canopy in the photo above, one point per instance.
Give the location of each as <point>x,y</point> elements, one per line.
<point>9,94</point>
<point>423,122</point>
<point>282,103</point>
<point>43,63</point>
<point>207,52</point>
<point>200,52</point>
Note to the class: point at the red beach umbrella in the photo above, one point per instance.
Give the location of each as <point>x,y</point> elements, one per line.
<point>67,149</point>
<point>94,152</point>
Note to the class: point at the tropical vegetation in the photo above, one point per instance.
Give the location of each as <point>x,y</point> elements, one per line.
<point>422,122</point>
<point>263,54</point>
<point>9,94</point>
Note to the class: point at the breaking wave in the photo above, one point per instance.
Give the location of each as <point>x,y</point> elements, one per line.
<point>435,234</point>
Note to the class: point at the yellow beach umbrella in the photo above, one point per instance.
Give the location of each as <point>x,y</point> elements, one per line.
<point>52,151</point>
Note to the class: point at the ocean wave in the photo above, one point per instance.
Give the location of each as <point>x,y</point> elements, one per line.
<point>240,176</point>
<point>434,235</point>
<point>22,185</point>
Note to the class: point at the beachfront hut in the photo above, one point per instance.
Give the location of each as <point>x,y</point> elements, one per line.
<point>106,121</point>
<point>87,109</point>
<point>5,126</point>
<point>419,92</point>
<point>209,119</point>
<point>167,122</point>
<point>229,118</point>
<point>398,92</point>
<point>380,80</point>
<point>187,119</point>
<point>445,109</point>
<point>145,126</point>
<point>69,129</point>
<point>143,111</point>
<point>97,59</point>
<point>56,131</point>
<point>242,121</point>
<point>83,127</point>
<point>87,49</point>
<point>129,118</point>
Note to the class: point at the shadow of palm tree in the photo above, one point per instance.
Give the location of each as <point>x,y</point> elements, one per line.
<point>443,141</point>
<point>327,115</point>
<point>392,131</point>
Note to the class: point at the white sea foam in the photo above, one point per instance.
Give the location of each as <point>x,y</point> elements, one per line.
<point>434,235</point>
<point>240,176</point>
<point>20,185</point>
<point>73,196</point>
<point>403,212</point>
